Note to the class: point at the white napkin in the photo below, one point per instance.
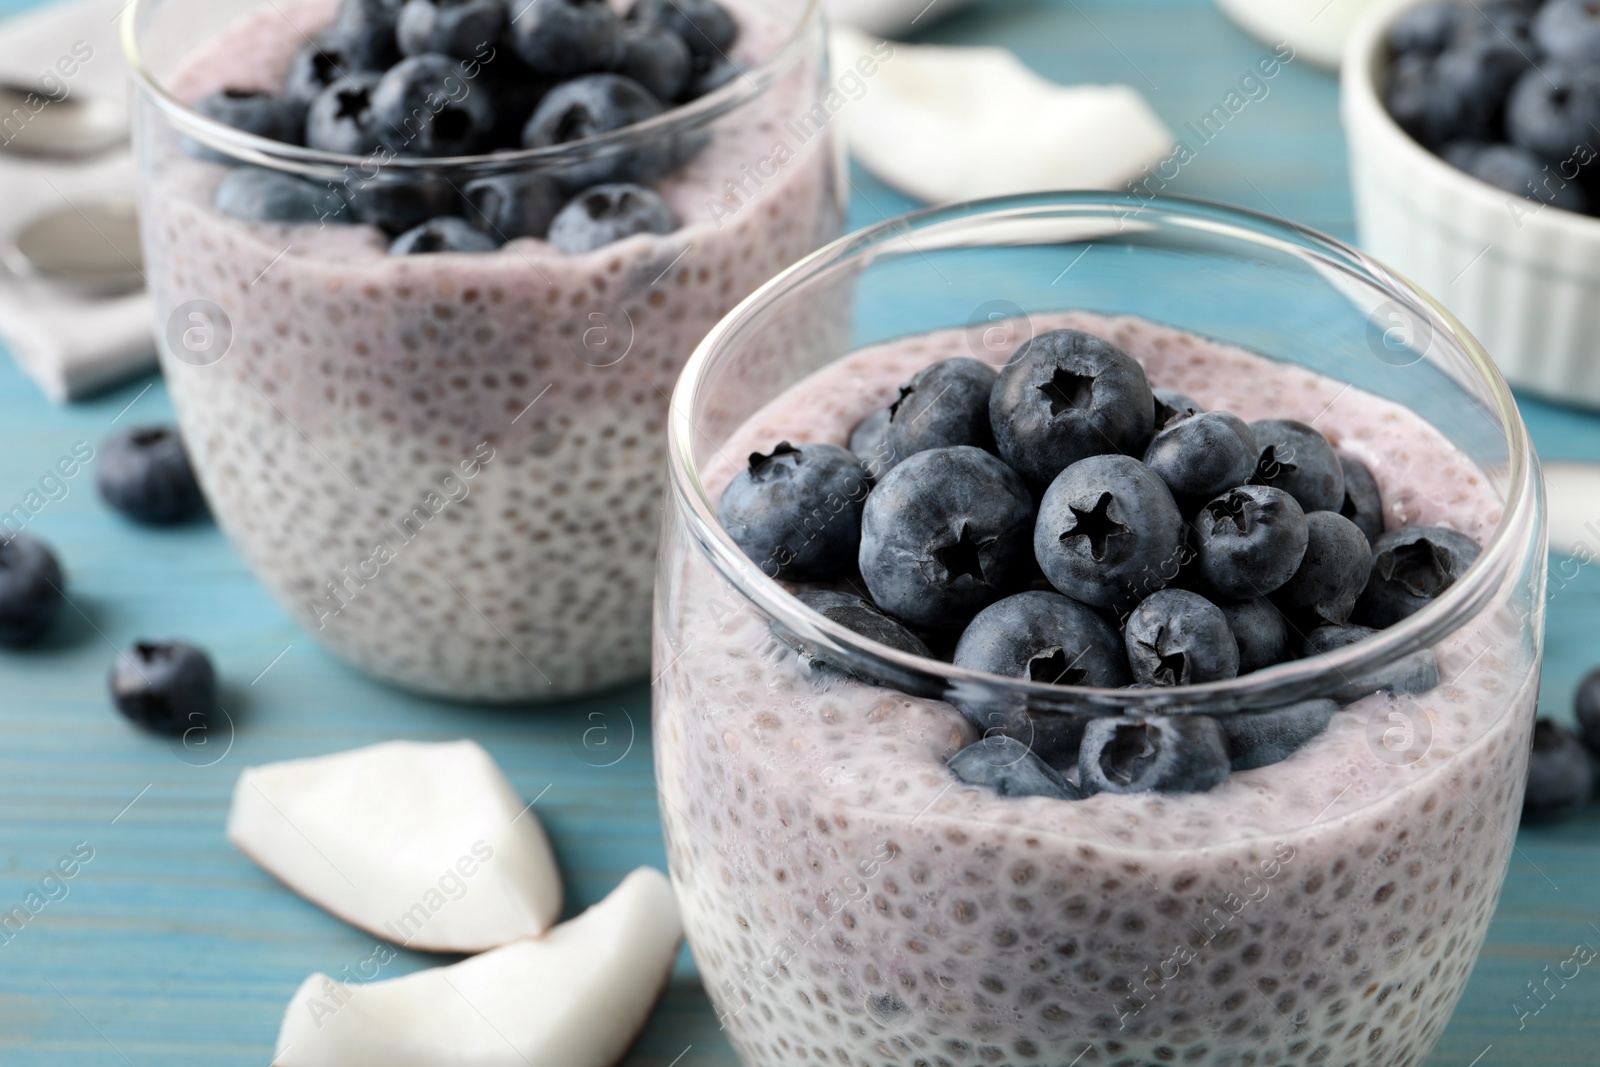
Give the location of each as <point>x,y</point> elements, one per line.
<point>886,18</point>
<point>948,124</point>
<point>71,344</point>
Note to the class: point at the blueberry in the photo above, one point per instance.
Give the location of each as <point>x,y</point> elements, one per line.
<point>342,119</point>
<point>1011,769</point>
<point>165,686</point>
<point>427,106</point>
<point>256,112</point>
<point>1044,637</point>
<point>1176,637</point>
<point>1587,706</point>
<point>565,38</point>
<point>460,28</point>
<point>367,27</point>
<point>1203,455</point>
<point>1260,630</point>
<point>1332,573</point>
<point>593,105</point>
<point>705,25</point>
<point>854,614</point>
<point>1363,502</point>
<point>444,234</point>
<point>944,405</point>
<point>1411,567</point>
<point>513,205</point>
<point>606,213</point>
<point>1518,171</point>
<point>657,59</point>
<point>255,194</point>
<point>1569,30</point>
<point>1552,111</point>
<point>870,442</point>
<point>324,61</point>
<point>1261,738</point>
<point>1416,673</point>
<point>31,590</point>
<point>1109,532</point>
<point>1560,773</point>
<point>1154,753</point>
<point>400,203</point>
<point>796,511</point>
<point>1427,28</point>
<point>1301,462</point>
<point>144,473</point>
<point>709,75</point>
<point>1170,405</point>
<point>944,535</point>
<point>1250,541</point>
<point>1457,95</point>
<point>1067,395</point>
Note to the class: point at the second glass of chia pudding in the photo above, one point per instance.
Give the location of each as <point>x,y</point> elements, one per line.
<point>425,275</point>
<point>1093,631</point>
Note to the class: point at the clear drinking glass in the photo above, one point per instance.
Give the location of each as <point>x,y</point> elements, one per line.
<point>849,901</point>
<point>448,467</point>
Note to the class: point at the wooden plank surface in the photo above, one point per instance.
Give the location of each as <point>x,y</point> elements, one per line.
<point>172,949</point>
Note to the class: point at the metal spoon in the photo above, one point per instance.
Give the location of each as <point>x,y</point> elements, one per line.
<point>92,247</point>
<point>34,123</point>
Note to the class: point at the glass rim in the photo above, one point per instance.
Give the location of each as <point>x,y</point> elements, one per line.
<point>263,151</point>
<point>1270,687</point>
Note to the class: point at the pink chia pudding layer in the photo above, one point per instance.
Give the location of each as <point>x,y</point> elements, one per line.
<point>849,902</point>
<point>448,467</point>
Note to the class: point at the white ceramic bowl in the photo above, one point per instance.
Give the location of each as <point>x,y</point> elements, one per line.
<point>1524,278</point>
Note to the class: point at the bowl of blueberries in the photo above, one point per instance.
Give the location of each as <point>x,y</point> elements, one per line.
<point>1474,137</point>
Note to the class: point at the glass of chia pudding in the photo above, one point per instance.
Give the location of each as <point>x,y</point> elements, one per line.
<point>1093,631</point>
<point>425,274</point>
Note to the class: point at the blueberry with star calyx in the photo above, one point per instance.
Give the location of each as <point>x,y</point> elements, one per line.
<point>1067,395</point>
<point>1301,462</point>
<point>257,112</point>
<point>1176,637</point>
<point>1044,637</point>
<point>1249,541</point>
<point>944,535</point>
<point>1363,502</point>
<point>427,106</point>
<point>1203,455</point>
<point>1260,630</point>
<point>944,405</point>
<point>168,687</point>
<point>1153,753</point>
<point>1011,769</point>
<point>1262,738</point>
<point>1109,533</point>
<point>609,213</point>
<point>1330,576</point>
<point>144,473</point>
<point>593,105</point>
<point>508,206</point>
<point>856,615</point>
<point>1412,567</point>
<point>796,511</point>
<point>321,63</point>
<point>341,118</point>
<point>445,234</point>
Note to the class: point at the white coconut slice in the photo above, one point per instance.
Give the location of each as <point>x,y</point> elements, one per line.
<point>424,845</point>
<point>577,997</point>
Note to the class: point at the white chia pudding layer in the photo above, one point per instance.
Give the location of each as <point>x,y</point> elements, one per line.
<point>849,902</point>
<point>448,467</point>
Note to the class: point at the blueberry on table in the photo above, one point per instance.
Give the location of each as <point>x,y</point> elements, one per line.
<point>1301,462</point>
<point>944,535</point>
<point>1176,637</point>
<point>705,25</point>
<point>1171,405</point>
<point>657,59</point>
<point>1518,171</point>
<point>1551,110</point>
<point>856,615</point>
<point>1250,541</point>
<point>1204,455</point>
<point>1067,395</point>
<point>565,38</point>
<point>588,107</point>
<point>466,29</point>
<point>607,213</point>
<point>31,590</point>
<point>164,686</point>
<point>444,234</point>
<point>1363,502</point>
<point>257,112</point>
<point>1569,30</point>
<point>144,473</point>
<point>796,511</point>
<point>1044,637</point>
<point>1416,673</point>
<point>508,206</point>
<point>408,114</point>
<point>1587,707</point>
<point>342,120</point>
<point>1262,738</point>
<point>1109,533</point>
<point>1332,574</point>
<point>1153,753</point>
<point>1560,773</point>
<point>1011,769</point>
<point>944,405</point>
<point>1260,630</point>
<point>254,194</point>
<point>1412,567</point>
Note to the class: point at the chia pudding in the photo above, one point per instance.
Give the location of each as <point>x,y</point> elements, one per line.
<point>850,901</point>
<point>447,466</point>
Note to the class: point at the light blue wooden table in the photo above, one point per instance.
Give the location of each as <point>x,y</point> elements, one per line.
<point>172,949</point>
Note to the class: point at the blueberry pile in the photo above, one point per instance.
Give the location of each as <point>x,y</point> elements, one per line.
<point>436,78</point>
<point>1562,766</point>
<point>1505,90</point>
<point>1059,521</point>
